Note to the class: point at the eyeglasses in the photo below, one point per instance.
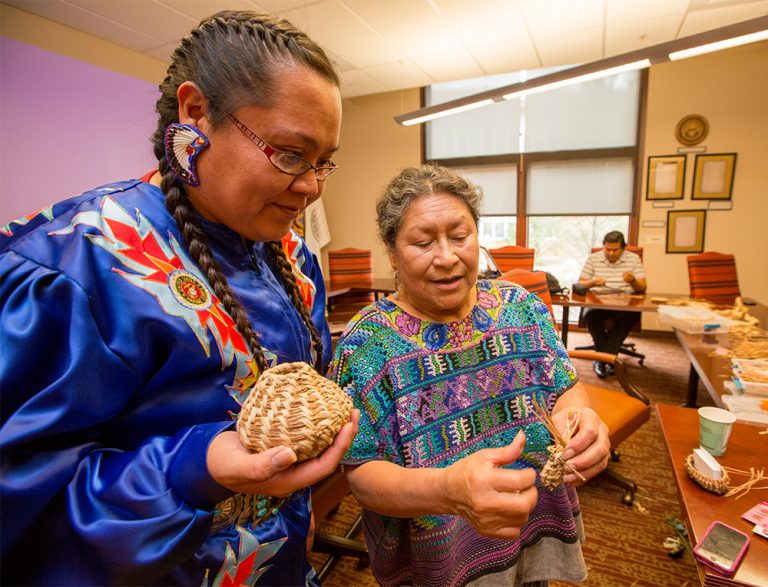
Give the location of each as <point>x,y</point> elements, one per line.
<point>284,161</point>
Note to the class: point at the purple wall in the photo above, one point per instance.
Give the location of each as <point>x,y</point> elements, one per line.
<point>67,126</point>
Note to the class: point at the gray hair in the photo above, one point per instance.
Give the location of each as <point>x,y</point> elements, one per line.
<point>414,182</point>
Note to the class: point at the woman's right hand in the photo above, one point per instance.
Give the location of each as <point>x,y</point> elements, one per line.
<point>273,471</point>
<point>494,500</point>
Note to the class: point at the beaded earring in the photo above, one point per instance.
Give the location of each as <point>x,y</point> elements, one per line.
<point>183,144</point>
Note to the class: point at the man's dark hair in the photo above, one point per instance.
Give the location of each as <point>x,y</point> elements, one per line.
<point>615,237</point>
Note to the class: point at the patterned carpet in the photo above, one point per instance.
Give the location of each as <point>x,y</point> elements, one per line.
<point>624,545</point>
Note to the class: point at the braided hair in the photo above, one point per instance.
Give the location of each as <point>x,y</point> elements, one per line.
<point>234,57</point>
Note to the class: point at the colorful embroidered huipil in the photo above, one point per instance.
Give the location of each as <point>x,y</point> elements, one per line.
<point>432,393</point>
<point>118,367</point>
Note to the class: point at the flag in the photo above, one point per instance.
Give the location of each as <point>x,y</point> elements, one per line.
<point>316,232</point>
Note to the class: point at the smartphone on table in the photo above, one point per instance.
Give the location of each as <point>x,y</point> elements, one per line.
<point>722,548</point>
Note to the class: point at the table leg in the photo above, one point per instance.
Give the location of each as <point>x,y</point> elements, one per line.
<point>564,329</point>
<point>693,388</point>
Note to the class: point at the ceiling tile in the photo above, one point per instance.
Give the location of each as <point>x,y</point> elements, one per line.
<point>357,83</point>
<point>87,22</point>
<point>163,52</point>
<point>469,20</point>
<point>200,9</point>
<point>551,17</point>
<point>630,36</point>
<point>580,46</point>
<point>704,20</point>
<point>424,32</point>
<point>621,11</point>
<point>443,68</point>
<point>148,16</point>
<point>395,76</point>
<point>335,27</point>
<point>280,6</point>
<point>505,57</point>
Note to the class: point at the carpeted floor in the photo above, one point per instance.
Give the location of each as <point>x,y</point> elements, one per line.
<point>624,545</point>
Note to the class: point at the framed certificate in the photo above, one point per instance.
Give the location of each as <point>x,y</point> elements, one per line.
<point>666,177</point>
<point>713,176</point>
<point>685,231</point>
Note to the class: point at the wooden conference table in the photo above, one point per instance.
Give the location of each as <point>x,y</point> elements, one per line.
<point>746,448</point>
<point>607,301</point>
<point>380,286</point>
<point>710,368</point>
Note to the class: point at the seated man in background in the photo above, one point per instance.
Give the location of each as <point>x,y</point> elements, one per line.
<point>612,269</point>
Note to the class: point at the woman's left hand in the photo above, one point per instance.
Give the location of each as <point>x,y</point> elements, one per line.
<point>589,448</point>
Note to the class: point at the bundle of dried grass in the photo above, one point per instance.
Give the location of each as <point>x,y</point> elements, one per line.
<point>748,341</point>
<point>292,405</point>
<point>554,469</point>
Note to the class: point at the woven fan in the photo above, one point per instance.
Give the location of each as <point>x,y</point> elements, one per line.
<point>292,405</point>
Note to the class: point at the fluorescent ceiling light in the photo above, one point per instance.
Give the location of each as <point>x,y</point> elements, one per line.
<point>748,31</point>
<point>643,63</point>
<point>442,113</point>
<point>719,45</point>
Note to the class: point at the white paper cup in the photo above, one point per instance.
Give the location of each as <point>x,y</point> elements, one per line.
<point>715,426</point>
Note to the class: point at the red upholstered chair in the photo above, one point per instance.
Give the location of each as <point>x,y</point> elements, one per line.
<point>534,281</point>
<point>712,276</point>
<point>622,411</point>
<point>513,257</point>
<point>349,267</point>
<point>627,348</point>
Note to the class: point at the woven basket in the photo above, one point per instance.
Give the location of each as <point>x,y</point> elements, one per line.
<point>292,405</point>
<point>719,486</point>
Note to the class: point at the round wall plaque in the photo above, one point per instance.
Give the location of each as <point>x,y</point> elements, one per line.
<point>692,129</point>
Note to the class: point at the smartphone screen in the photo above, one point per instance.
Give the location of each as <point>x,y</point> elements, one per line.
<point>722,546</point>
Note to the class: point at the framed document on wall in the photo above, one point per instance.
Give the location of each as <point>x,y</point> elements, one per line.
<point>685,231</point>
<point>666,177</point>
<point>713,176</point>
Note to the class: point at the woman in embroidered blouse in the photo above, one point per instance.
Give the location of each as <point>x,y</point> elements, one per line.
<point>136,316</point>
<point>445,373</point>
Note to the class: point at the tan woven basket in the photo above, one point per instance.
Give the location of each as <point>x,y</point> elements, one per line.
<point>292,405</point>
<point>719,486</point>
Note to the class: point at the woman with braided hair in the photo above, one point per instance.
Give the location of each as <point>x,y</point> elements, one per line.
<point>136,316</point>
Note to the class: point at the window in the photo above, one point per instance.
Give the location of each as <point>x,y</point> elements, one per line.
<point>576,148</point>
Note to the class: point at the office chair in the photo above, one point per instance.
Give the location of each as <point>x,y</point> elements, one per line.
<point>513,257</point>
<point>327,495</point>
<point>487,268</point>
<point>622,411</point>
<point>712,276</point>
<point>627,348</point>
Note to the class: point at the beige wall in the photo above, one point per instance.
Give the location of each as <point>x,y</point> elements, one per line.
<point>373,149</point>
<point>730,89</point>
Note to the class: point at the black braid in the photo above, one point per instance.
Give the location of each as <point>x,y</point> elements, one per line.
<point>179,206</point>
<point>277,254</point>
<point>234,58</point>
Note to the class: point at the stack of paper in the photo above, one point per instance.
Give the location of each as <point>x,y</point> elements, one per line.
<point>746,407</point>
<point>694,319</point>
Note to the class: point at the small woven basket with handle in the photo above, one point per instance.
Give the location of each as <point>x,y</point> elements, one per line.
<point>293,405</point>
